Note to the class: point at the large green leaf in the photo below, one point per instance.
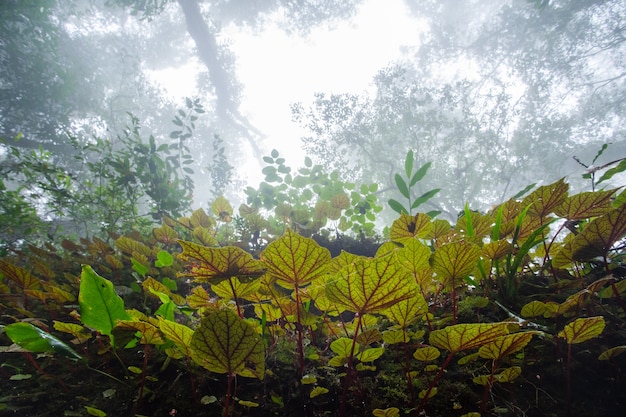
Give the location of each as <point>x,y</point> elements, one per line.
<point>467,335</point>
<point>600,235</point>
<point>217,264</point>
<point>455,260</point>
<point>100,306</point>
<point>295,260</point>
<point>226,344</point>
<point>370,285</point>
<point>34,339</point>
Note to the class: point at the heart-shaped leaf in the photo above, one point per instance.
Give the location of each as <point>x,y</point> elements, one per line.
<point>467,335</point>
<point>225,343</point>
<point>455,260</point>
<point>343,347</point>
<point>370,354</point>
<point>533,309</point>
<point>583,329</point>
<point>218,264</point>
<point>408,227</point>
<point>370,285</point>
<point>295,261</point>
<point>426,354</point>
<point>387,412</point>
<point>165,234</point>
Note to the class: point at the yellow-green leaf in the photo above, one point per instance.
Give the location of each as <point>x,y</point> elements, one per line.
<point>426,354</point>
<point>318,391</point>
<point>583,329</point>
<point>370,354</point>
<point>612,352</point>
<point>294,260</point>
<point>224,343</point>
<point>427,393</point>
<point>222,209</point>
<point>455,260</point>
<point>600,235</point>
<point>497,249</point>
<point>408,227</point>
<point>393,336</point>
<point>509,374</point>
<point>165,234</point>
<point>533,309</point>
<point>20,276</point>
<point>93,411</point>
<point>585,205</point>
<point>343,347</point>
<point>233,288</point>
<point>199,218</point>
<point>387,412</point>
<point>414,255</point>
<point>467,335</point>
<point>308,379</point>
<point>505,345</point>
<point>149,334</point>
<point>131,246</point>
<point>79,332</point>
<point>217,264</point>
<point>370,285</point>
<point>249,404</point>
<point>408,310</point>
<point>545,199</point>
<point>178,333</point>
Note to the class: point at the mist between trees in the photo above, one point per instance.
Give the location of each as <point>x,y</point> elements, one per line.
<point>496,95</point>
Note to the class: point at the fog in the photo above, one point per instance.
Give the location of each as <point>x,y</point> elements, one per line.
<point>496,95</point>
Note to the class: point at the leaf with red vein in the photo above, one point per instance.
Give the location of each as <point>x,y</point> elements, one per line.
<point>218,264</point>
<point>545,199</point>
<point>225,343</point>
<point>600,235</point>
<point>467,336</point>
<point>295,260</point>
<point>20,276</point>
<point>505,345</point>
<point>370,285</point>
<point>455,260</point>
<point>583,329</point>
<point>585,205</point>
<point>409,227</point>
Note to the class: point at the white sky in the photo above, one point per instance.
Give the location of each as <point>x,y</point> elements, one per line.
<point>277,69</point>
